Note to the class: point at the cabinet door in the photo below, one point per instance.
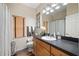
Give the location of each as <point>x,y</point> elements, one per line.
<point>19,26</point>
<point>41,51</point>
<point>56,52</point>
<point>43,44</point>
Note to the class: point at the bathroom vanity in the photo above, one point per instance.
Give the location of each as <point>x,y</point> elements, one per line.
<point>58,47</point>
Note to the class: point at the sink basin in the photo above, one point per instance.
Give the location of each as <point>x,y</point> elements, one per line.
<point>48,38</point>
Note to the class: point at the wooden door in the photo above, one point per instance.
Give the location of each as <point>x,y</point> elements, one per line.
<point>45,24</point>
<point>19,26</point>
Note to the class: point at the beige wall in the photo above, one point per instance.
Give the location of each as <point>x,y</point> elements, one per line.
<point>47,17</point>
<point>72,8</point>
<point>21,10</point>
<point>60,15</point>
<point>29,14</point>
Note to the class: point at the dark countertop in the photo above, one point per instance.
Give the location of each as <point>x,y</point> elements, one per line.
<point>66,46</point>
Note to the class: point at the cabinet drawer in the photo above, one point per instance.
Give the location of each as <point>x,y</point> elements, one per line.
<point>56,52</point>
<point>45,45</point>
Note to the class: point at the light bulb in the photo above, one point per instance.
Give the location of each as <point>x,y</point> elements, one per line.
<point>51,10</point>
<point>57,7</point>
<point>47,13</point>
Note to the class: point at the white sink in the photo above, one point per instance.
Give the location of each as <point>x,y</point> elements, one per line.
<point>48,38</point>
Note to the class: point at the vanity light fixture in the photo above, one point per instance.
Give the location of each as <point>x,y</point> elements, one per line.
<point>47,13</point>
<point>65,3</point>
<point>57,7</point>
<point>51,10</point>
<point>44,11</point>
<point>53,5</point>
<point>48,8</point>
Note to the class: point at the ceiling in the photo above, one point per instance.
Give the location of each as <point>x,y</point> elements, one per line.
<point>32,5</point>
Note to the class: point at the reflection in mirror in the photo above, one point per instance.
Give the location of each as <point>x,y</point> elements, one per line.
<point>55,22</point>
<point>63,21</point>
<point>57,27</point>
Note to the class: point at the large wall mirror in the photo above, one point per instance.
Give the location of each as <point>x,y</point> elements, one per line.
<point>63,21</point>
